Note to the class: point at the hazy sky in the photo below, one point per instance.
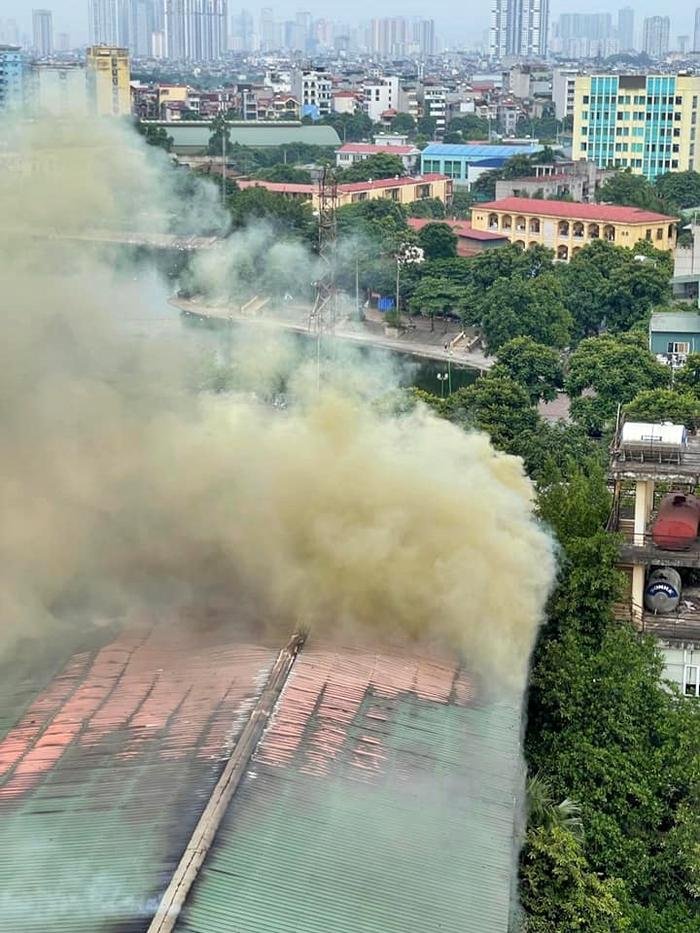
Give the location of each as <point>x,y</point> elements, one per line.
<point>71,15</point>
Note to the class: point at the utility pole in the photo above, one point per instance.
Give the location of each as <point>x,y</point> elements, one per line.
<point>224,134</point>
<point>324,312</point>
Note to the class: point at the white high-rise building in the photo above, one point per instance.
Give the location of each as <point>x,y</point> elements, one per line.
<point>696,42</point>
<point>657,35</point>
<point>625,28</point>
<point>104,22</point>
<point>196,30</point>
<point>42,21</point>
<point>519,28</point>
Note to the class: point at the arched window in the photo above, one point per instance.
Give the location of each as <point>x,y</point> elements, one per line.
<point>534,225</point>
<point>493,221</point>
<point>563,228</point>
<point>563,252</point>
<point>520,224</point>
<point>578,230</point>
<point>532,243</point>
<point>507,222</point>
<point>594,231</point>
<point>609,233</point>
<point>575,251</point>
<point>520,243</point>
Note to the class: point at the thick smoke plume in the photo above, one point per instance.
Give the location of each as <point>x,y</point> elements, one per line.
<point>122,488</point>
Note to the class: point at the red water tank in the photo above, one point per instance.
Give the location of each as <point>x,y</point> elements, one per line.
<point>676,526</point>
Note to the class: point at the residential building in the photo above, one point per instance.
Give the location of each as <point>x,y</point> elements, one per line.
<point>108,77</point>
<point>42,23</point>
<point>313,89</point>
<point>346,101</point>
<point>578,181</point>
<point>404,190</point>
<point>625,29</point>
<point>564,92</point>
<point>104,22</point>
<point>12,77</point>
<point>141,25</point>
<point>350,153</point>
<point>381,96</point>
<point>58,89</point>
<point>566,227</point>
<point>644,123</point>
<point>196,30</point>
<point>434,98</point>
<point>465,163</point>
<point>390,37</point>
<point>519,28</point>
<point>673,335</point>
<point>656,36</point>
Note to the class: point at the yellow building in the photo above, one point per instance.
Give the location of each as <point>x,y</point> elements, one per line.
<point>404,190</point>
<point>566,226</point>
<point>645,123</point>
<point>109,77</point>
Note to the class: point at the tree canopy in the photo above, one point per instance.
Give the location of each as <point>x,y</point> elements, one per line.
<point>379,165</point>
<point>535,366</point>
<point>438,241</point>
<point>680,189</point>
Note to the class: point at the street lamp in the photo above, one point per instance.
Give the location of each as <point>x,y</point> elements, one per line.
<point>442,379</point>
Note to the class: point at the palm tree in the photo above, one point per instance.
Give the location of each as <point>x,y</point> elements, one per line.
<point>542,811</point>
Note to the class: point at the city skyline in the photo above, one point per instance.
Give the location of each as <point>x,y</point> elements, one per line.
<point>71,16</point>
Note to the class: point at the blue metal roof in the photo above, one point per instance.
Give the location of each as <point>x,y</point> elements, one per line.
<point>477,152</point>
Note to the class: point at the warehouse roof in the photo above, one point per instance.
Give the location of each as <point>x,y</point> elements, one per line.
<point>476,152</point>
<point>382,799</point>
<point>683,322</point>
<point>251,133</point>
<point>571,210</point>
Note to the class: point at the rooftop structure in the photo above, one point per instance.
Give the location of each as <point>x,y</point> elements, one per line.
<point>379,770</point>
<point>193,138</point>
<point>464,163</point>
<point>470,242</point>
<point>403,189</point>
<point>565,226</point>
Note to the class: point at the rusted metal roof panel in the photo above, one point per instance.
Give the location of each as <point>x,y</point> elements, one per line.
<point>382,799</point>
<point>105,768</point>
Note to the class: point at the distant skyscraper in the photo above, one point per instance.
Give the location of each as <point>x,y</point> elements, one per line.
<point>625,28</point>
<point>104,22</point>
<point>657,34</point>
<point>267,29</point>
<point>42,21</point>
<point>140,27</point>
<point>696,42</point>
<point>196,30</point>
<point>519,28</point>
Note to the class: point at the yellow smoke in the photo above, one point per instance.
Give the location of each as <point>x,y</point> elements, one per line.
<point>120,488</point>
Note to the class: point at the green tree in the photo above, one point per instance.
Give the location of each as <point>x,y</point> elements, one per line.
<point>632,190</point>
<point>219,130</point>
<point>427,126</point>
<point>687,378</point>
<point>461,205</point>
<point>519,307</point>
<point>380,165</point>
<point>428,208</point>
<point>155,136</point>
<point>560,892</point>
<point>260,204</point>
<point>437,296</point>
<point>496,405</point>
<point>351,127</point>
<point>404,124</point>
<point>610,370</point>
<point>285,173</point>
<point>470,127</point>
<point>681,189</point>
<point>438,241</point>
<point>658,405</point>
<point>533,365</point>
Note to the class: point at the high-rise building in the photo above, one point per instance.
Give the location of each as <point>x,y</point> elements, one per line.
<point>657,34</point>
<point>625,29</point>
<point>59,89</point>
<point>696,38</point>
<point>140,27</point>
<point>196,30</point>
<point>267,29</point>
<point>63,42</point>
<point>519,28</point>
<point>108,77</point>
<point>42,22</point>
<point>647,124</point>
<point>426,37</point>
<point>12,75</point>
<point>104,22</point>
<point>242,32</point>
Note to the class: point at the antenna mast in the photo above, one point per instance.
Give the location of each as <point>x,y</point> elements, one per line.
<point>323,314</point>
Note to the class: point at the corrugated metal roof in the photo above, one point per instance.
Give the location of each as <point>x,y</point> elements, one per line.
<point>478,151</point>
<point>681,322</point>
<point>381,800</point>
<point>105,771</point>
<point>197,136</point>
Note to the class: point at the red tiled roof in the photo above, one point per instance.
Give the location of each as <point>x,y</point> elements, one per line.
<point>462,228</point>
<point>280,187</point>
<point>570,210</point>
<point>372,149</point>
<point>390,182</point>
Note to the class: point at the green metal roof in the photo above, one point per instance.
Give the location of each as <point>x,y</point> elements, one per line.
<point>195,136</point>
<point>683,322</point>
<point>381,800</point>
<point>106,764</point>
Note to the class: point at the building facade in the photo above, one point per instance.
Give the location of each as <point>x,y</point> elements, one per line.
<point>42,28</point>
<point>400,190</point>
<point>465,163</point>
<point>108,81</point>
<point>566,227</point>
<point>12,76</point>
<point>196,30</point>
<point>104,22</point>
<point>564,92</point>
<point>625,29</point>
<point>519,28</point>
<point>58,89</point>
<point>313,89</point>
<point>656,36</point>
<point>645,123</point>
